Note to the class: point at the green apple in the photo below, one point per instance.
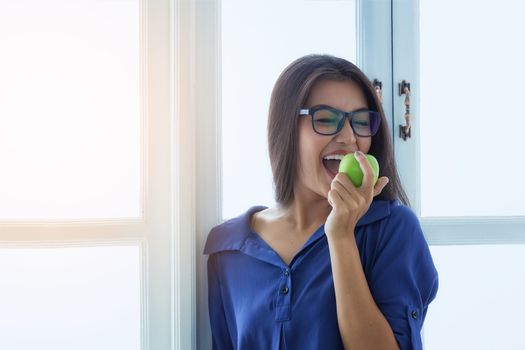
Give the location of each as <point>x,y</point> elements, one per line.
<point>350,165</point>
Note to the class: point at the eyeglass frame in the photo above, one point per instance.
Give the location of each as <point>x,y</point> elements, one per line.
<point>305,112</point>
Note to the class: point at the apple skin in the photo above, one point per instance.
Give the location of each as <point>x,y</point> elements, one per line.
<point>350,165</point>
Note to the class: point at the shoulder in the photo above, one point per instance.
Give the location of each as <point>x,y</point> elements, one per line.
<point>403,218</point>
<point>230,234</point>
<point>401,233</point>
<point>393,227</point>
<point>403,221</point>
<point>400,247</point>
<point>379,211</point>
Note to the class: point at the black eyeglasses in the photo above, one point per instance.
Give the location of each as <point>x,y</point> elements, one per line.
<point>327,120</point>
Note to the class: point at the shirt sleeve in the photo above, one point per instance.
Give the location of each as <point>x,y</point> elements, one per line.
<point>219,328</point>
<point>403,279</point>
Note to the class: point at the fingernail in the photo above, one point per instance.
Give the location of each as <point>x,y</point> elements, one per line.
<point>358,153</point>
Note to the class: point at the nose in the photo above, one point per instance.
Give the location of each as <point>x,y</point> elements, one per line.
<point>346,134</point>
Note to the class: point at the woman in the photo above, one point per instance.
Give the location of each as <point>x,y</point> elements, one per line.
<point>331,266</point>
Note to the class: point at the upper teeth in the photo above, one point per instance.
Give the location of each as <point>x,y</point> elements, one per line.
<point>334,156</point>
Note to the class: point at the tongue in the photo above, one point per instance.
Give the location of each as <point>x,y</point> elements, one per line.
<point>332,165</point>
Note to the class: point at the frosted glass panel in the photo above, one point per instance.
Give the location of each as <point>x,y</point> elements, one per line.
<point>479,304</point>
<point>259,39</point>
<point>471,120</point>
<point>80,298</point>
<point>69,109</point>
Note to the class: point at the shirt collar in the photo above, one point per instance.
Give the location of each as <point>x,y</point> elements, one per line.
<point>233,233</point>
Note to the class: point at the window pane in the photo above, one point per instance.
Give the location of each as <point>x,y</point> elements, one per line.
<point>69,109</point>
<point>480,299</point>
<point>259,39</point>
<point>471,119</point>
<point>80,298</point>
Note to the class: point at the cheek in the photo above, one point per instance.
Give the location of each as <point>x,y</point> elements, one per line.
<point>364,144</point>
<point>305,146</point>
<point>311,167</point>
<point>310,146</point>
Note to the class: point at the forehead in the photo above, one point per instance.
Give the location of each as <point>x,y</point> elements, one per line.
<point>344,95</point>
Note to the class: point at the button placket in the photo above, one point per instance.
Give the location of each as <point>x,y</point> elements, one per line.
<point>283,298</point>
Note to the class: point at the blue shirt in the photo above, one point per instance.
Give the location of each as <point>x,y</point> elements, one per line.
<point>256,301</point>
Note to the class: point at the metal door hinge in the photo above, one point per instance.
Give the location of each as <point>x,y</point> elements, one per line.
<point>379,89</point>
<point>404,130</point>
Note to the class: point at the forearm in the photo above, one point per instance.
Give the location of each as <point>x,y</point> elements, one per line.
<point>361,323</point>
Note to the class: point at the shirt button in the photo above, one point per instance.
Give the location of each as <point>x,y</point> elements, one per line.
<point>284,290</point>
<point>287,272</point>
<point>414,314</point>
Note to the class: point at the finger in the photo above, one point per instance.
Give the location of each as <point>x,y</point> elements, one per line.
<point>344,181</point>
<point>335,199</point>
<point>345,188</point>
<point>368,173</point>
<point>382,182</point>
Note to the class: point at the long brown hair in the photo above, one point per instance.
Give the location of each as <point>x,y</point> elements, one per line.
<point>290,93</point>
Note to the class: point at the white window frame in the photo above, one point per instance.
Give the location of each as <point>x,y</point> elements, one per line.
<point>438,230</point>
<point>165,233</point>
<point>203,29</point>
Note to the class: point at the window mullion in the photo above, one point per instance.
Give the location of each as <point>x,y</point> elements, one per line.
<point>374,47</point>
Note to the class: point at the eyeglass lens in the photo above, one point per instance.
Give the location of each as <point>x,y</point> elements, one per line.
<point>363,123</point>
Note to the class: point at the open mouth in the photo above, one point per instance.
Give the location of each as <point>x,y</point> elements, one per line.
<point>331,166</point>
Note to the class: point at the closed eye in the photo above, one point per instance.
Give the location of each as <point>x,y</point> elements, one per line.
<point>327,120</point>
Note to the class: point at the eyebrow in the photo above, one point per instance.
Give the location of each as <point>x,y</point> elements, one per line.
<point>325,105</point>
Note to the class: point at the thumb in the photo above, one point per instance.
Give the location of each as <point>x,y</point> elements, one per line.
<point>380,185</point>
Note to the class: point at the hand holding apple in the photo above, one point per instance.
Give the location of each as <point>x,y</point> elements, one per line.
<point>350,165</point>
<point>349,203</point>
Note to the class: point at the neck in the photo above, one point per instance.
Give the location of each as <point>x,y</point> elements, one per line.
<point>302,215</point>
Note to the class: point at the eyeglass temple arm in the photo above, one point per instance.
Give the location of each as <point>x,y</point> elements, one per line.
<point>304,111</point>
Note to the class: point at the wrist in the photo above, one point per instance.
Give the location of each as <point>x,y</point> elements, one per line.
<point>341,237</point>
